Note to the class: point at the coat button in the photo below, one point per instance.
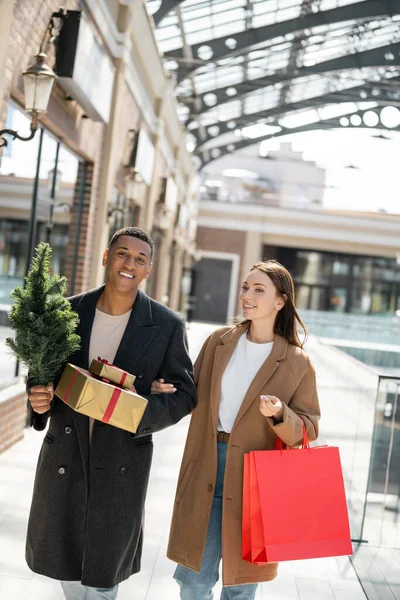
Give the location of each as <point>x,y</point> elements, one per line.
<point>140,375</point>
<point>62,470</point>
<point>123,470</point>
<point>210,487</point>
<point>68,430</point>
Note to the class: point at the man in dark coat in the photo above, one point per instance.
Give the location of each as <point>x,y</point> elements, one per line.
<point>86,520</point>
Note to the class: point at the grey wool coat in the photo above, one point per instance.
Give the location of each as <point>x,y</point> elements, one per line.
<point>86,518</point>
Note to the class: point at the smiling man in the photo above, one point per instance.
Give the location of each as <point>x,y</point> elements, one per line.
<point>86,522</point>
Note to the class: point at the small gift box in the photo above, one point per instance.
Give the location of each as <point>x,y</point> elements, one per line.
<point>105,370</point>
<point>95,398</point>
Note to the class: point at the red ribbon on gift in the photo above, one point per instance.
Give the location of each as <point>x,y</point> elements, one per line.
<point>111,404</point>
<point>124,373</point>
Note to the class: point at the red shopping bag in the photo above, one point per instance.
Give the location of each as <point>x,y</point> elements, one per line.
<point>294,505</point>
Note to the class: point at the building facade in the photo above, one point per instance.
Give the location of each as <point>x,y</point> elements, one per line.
<point>341,261</point>
<point>110,150</point>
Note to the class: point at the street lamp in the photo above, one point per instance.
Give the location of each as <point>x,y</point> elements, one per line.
<point>38,83</point>
<point>162,217</point>
<point>134,186</point>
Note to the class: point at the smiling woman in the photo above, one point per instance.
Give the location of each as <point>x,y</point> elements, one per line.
<point>269,288</point>
<point>245,402</point>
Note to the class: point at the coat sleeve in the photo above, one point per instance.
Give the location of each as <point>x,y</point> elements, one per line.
<point>36,420</point>
<point>164,410</point>
<point>302,407</point>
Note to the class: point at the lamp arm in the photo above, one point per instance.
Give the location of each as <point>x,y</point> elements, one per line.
<point>15,134</point>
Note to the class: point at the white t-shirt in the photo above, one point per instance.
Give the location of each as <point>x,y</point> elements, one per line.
<point>243,366</point>
<point>107,333</point>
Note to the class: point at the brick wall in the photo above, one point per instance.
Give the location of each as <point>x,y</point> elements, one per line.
<point>221,240</point>
<point>79,226</point>
<point>64,118</point>
<point>13,416</point>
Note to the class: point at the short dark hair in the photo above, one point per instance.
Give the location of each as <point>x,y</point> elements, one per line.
<point>133,232</point>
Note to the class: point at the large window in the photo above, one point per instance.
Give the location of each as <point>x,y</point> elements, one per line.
<point>341,282</point>
<point>57,169</point>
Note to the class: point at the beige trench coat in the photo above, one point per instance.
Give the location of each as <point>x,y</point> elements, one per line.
<point>288,374</point>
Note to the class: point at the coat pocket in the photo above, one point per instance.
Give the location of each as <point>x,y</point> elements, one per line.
<point>185,480</point>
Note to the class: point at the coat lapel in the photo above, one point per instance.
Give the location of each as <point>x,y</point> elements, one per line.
<point>263,375</point>
<point>86,310</point>
<point>138,335</point>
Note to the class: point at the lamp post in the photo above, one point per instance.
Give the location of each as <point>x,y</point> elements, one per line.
<point>135,190</point>
<point>134,186</point>
<point>38,83</point>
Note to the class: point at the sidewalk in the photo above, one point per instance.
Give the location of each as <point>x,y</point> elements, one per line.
<point>321,579</point>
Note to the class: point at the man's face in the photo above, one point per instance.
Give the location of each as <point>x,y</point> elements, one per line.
<point>128,262</point>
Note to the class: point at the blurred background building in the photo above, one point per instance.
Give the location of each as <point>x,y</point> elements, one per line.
<point>232,131</point>
<point>109,152</point>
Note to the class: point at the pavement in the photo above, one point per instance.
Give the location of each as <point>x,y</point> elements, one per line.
<point>319,579</point>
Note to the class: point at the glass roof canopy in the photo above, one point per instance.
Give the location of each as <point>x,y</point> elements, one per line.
<point>279,65</point>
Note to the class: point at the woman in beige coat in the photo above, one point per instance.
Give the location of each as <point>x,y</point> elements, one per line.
<point>254,383</point>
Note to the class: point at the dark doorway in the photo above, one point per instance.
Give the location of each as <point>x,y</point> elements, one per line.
<point>210,290</point>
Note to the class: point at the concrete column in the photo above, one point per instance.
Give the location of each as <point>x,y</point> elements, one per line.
<point>6,14</point>
<point>252,253</point>
<point>164,266</point>
<point>107,181</point>
<point>109,163</point>
<point>175,288</point>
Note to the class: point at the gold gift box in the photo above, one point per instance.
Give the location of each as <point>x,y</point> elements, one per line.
<point>103,401</point>
<point>112,373</point>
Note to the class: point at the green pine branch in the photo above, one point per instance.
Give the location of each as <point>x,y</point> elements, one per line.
<point>43,321</point>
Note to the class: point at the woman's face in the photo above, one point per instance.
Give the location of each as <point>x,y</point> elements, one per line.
<point>259,298</point>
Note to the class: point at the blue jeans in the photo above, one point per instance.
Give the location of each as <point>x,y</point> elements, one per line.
<point>74,590</point>
<point>199,586</point>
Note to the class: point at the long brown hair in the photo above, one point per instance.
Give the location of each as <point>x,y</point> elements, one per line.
<point>285,322</point>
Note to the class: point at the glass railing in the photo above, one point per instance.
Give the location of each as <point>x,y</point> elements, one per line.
<point>347,392</point>
<point>380,329</point>
<point>381,515</point>
<point>361,415</point>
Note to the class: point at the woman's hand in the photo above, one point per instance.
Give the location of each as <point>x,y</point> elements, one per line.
<point>271,406</point>
<point>160,387</point>
<point>40,397</point>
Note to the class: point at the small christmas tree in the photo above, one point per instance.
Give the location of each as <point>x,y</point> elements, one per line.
<point>43,321</point>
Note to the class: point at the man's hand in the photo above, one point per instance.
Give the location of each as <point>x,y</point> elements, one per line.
<point>40,397</point>
<point>160,387</point>
<point>271,406</point>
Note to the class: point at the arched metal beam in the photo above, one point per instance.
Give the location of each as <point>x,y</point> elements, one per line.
<point>384,56</point>
<point>245,40</point>
<point>382,97</point>
<point>209,155</point>
<point>165,8</point>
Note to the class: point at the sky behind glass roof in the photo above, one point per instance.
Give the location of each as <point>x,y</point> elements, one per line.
<point>200,21</point>
<point>217,113</point>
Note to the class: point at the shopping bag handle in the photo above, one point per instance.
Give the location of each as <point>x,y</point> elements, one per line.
<point>305,444</point>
